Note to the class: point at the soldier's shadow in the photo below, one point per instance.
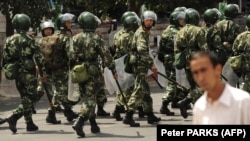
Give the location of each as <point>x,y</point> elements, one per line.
<point>108,135</point>
<point>48,132</point>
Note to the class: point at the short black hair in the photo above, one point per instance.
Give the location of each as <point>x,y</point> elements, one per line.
<point>213,57</point>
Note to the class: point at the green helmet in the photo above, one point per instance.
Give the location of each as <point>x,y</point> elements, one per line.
<point>248,21</point>
<point>175,16</point>
<point>148,14</point>
<point>211,16</point>
<point>21,22</point>
<point>126,14</point>
<point>88,21</point>
<point>131,23</point>
<point>231,10</point>
<point>62,18</point>
<point>178,9</point>
<point>192,16</point>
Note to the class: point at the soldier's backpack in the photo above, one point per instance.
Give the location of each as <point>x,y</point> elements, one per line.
<point>48,47</point>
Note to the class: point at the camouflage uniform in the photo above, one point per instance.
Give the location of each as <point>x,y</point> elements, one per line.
<point>241,47</point>
<point>189,39</point>
<point>87,47</point>
<point>60,75</point>
<point>228,32</point>
<point>26,81</point>
<point>166,48</point>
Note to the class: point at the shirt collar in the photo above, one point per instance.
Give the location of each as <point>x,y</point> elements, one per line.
<point>225,97</point>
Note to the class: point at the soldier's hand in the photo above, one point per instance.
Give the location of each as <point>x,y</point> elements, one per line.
<point>37,69</point>
<point>115,76</point>
<point>226,44</point>
<point>154,69</point>
<point>44,78</point>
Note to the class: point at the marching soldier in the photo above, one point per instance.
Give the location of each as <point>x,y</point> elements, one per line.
<point>228,30</point>
<point>87,46</point>
<point>141,93</point>
<point>123,47</point>
<point>23,48</point>
<point>166,55</point>
<point>189,40</point>
<point>241,46</point>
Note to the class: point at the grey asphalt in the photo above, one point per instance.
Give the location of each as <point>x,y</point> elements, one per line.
<point>110,128</point>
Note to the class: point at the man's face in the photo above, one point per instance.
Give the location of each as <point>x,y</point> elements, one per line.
<point>148,23</point>
<point>205,75</point>
<point>68,25</point>
<point>48,31</point>
<point>181,22</point>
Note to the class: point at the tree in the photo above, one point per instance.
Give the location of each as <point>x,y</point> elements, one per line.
<point>35,9</point>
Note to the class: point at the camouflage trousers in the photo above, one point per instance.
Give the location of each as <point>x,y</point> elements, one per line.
<point>126,93</point>
<point>89,92</point>
<point>60,80</point>
<point>26,84</point>
<point>101,96</point>
<point>195,90</point>
<point>141,93</point>
<point>172,91</point>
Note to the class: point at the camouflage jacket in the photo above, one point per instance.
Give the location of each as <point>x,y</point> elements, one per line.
<point>242,43</point>
<point>211,35</point>
<point>190,39</point>
<point>140,43</point>
<point>21,47</point>
<point>228,32</point>
<point>168,40</point>
<point>87,46</point>
<point>123,43</point>
<point>61,51</point>
<point>116,37</point>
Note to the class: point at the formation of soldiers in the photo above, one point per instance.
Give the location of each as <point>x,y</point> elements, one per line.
<point>45,69</point>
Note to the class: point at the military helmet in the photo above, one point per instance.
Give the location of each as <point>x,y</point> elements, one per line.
<point>231,10</point>
<point>88,21</point>
<point>126,14</point>
<point>175,16</point>
<point>248,21</point>
<point>63,18</point>
<point>148,14</point>
<point>192,16</point>
<point>21,22</point>
<point>211,16</point>
<point>47,24</point>
<point>131,23</point>
<point>178,9</point>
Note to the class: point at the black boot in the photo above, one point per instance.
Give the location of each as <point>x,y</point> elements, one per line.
<point>101,111</point>
<point>123,109</point>
<point>117,112</point>
<point>78,126</point>
<point>183,104</point>
<point>164,108</point>
<point>69,114</point>
<point>59,109</point>
<point>31,126</point>
<point>174,103</point>
<point>94,127</point>
<point>12,120</point>
<point>2,121</point>
<point>141,113</point>
<point>152,118</point>
<point>51,118</point>
<point>129,119</point>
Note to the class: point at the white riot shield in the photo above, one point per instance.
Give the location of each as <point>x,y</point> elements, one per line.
<point>160,68</point>
<point>230,75</point>
<point>73,90</point>
<point>181,78</point>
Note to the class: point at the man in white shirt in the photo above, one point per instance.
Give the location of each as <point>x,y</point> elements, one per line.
<point>220,103</point>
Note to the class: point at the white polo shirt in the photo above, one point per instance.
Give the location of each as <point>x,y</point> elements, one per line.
<point>232,107</point>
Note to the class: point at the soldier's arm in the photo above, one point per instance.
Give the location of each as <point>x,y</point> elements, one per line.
<point>237,47</point>
<point>39,59</point>
<point>143,49</point>
<point>76,54</point>
<point>202,41</point>
<point>105,54</point>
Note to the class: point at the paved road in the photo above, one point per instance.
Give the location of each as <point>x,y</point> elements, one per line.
<point>110,128</point>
